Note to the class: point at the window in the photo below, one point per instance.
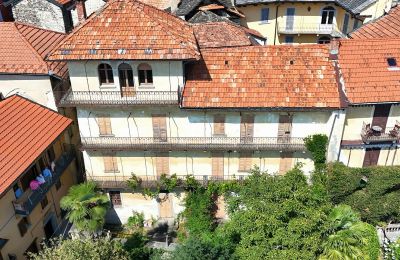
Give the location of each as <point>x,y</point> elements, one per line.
<point>328,13</point>
<point>110,163</point>
<point>51,154</point>
<point>219,125</point>
<point>17,191</point>
<point>289,39</point>
<point>245,160</point>
<point>145,74</point>
<point>125,74</point>
<point>23,226</point>
<point>58,184</point>
<point>264,15</point>
<point>355,25</point>
<point>44,202</point>
<point>324,40</point>
<point>392,62</point>
<point>345,23</point>
<point>105,74</point>
<point>115,197</point>
<point>104,123</point>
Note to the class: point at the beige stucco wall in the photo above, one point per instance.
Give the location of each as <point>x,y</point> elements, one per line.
<point>9,220</point>
<point>355,118</point>
<point>167,75</point>
<point>303,17</point>
<point>376,9</point>
<point>35,88</point>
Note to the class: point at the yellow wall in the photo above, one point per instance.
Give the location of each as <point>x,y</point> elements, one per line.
<point>9,220</point>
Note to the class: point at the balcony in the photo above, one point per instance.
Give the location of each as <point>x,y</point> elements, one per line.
<point>194,143</point>
<point>71,98</point>
<point>374,134</point>
<point>119,182</point>
<point>309,28</point>
<point>25,204</point>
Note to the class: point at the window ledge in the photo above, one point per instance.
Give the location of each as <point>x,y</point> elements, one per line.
<point>266,22</point>
<point>147,86</point>
<point>116,171</point>
<point>107,135</point>
<point>107,86</point>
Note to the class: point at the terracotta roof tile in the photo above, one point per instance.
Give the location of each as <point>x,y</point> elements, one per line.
<point>262,76</point>
<point>26,130</point>
<point>367,75</point>
<point>24,47</point>
<point>385,27</point>
<point>132,30</point>
<point>160,4</point>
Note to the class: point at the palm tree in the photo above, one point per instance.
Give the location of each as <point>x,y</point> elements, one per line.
<point>86,207</point>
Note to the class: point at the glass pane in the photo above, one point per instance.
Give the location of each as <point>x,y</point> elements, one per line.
<point>324,16</point>
<point>130,78</point>
<point>149,76</point>
<point>122,79</point>
<point>141,77</point>
<point>110,76</point>
<point>331,15</point>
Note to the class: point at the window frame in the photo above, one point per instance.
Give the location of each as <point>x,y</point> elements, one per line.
<point>328,10</point>
<point>25,224</point>
<point>264,15</point>
<point>147,71</point>
<point>118,199</point>
<point>124,69</point>
<point>324,40</point>
<point>108,78</point>
<point>289,36</point>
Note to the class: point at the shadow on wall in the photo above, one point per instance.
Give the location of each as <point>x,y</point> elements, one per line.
<point>112,217</point>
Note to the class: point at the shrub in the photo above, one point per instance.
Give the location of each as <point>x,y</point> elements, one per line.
<point>134,182</point>
<point>317,145</point>
<point>135,222</point>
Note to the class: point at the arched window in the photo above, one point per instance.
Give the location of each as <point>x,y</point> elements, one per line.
<point>105,74</point>
<point>324,39</point>
<point>125,74</point>
<point>328,13</point>
<point>145,74</point>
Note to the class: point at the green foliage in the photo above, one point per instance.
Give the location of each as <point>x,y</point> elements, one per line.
<point>317,145</point>
<point>82,249</point>
<point>150,193</point>
<point>277,217</point>
<point>86,207</point>
<point>393,251</point>
<point>168,183</point>
<point>135,222</point>
<point>134,182</point>
<point>190,183</point>
<point>376,200</point>
<point>135,245</point>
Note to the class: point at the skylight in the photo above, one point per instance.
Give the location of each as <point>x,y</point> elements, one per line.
<point>392,62</point>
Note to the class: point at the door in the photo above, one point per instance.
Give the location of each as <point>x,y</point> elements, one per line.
<point>166,209</point>
<point>290,18</point>
<point>246,128</point>
<point>217,165</point>
<point>284,128</point>
<point>285,163</point>
<point>126,80</point>
<point>159,127</point>
<point>371,157</point>
<point>381,114</point>
<point>48,229</point>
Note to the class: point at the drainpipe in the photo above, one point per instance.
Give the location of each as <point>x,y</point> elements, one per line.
<point>276,22</point>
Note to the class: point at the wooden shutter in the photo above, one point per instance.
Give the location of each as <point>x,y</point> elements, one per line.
<point>247,128</point>
<point>166,206</point>
<point>284,128</point>
<point>217,164</point>
<point>381,114</point>
<point>115,197</point>
<point>219,124</point>
<point>110,163</point>
<point>159,127</point>
<point>162,163</point>
<point>104,123</point>
<point>245,161</point>
<point>285,163</point>
<point>371,157</point>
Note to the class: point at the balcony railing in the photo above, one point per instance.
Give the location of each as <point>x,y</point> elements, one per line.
<point>194,143</point>
<point>25,204</point>
<point>309,28</point>
<point>373,134</point>
<point>110,182</point>
<point>71,98</point>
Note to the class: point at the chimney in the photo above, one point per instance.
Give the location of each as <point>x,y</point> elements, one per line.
<point>81,10</point>
<point>334,49</point>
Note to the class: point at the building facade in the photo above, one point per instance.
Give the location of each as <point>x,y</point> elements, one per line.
<point>30,208</point>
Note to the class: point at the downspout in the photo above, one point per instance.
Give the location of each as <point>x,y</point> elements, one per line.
<point>276,22</point>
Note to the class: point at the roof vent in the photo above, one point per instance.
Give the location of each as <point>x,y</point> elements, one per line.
<point>392,62</point>
<point>291,62</point>
<point>92,51</point>
<point>65,51</point>
<point>148,51</point>
<point>121,51</point>
<point>226,62</point>
<point>97,42</point>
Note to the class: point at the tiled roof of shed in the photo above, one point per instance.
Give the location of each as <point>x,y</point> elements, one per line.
<point>24,47</point>
<point>262,77</point>
<point>130,30</point>
<point>385,26</point>
<point>367,75</point>
<point>26,130</point>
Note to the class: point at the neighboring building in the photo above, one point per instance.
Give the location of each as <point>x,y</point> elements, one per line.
<point>371,75</point>
<point>149,104</point>
<point>56,15</point>
<point>32,140</point>
<point>292,22</point>
<point>167,5</point>
<point>23,69</point>
<point>387,26</point>
<point>5,13</point>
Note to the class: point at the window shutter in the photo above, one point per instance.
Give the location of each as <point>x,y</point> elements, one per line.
<point>264,15</point>
<point>110,163</point>
<point>284,128</point>
<point>115,197</point>
<point>162,163</point>
<point>104,123</point>
<point>217,164</point>
<point>247,128</point>
<point>219,124</point>
<point>245,161</point>
<point>285,163</point>
<point>159,127</point>
<point>345,23</point>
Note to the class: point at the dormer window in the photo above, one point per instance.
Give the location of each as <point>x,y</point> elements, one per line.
<point>105,74</point>
<point>145,74</point>
<point>328,13</point>
<point>392,62</point>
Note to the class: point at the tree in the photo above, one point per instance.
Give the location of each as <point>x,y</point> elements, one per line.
<point>82,249</point>
<point>86,207</point>
<point>277,217</point>
<point>348,237</point>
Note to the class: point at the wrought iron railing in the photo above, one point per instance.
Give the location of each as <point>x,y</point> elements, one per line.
<point>71,98</point>
<point>371,135</point>
<point>28,201</point>
<point>148,181</point>
<point>308,28</point>
<point>194,143</point>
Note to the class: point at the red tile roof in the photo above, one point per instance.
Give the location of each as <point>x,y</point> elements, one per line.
<point>160,4</point>
<point>366,73</point>
<point>131,30</point>
<point>263,76</point>
<point>220,34</point>
<point>26,130</point>
<point>24,47</point>
<point>385,26</point>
